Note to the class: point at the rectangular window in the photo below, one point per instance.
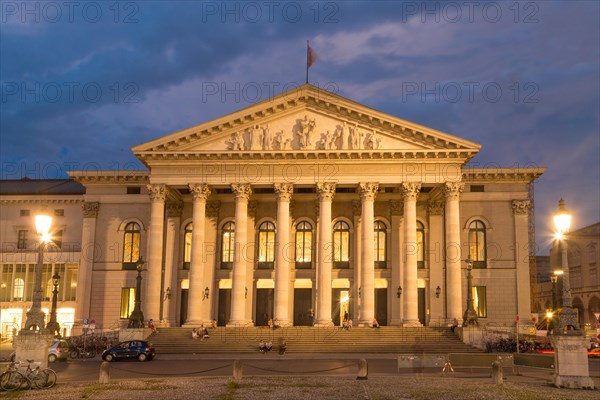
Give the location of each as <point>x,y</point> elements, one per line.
<point>127,301</point>
<point>420,250</point>
<point>380,238</point>
<point>134,190</point>
<point>303,249</point>
<point>5,286</point>
<point>24,213</point>
<point>477,188</point>
<point>228,249</point>
<point>480,301</point>
<point>266,250</point>
<point>59,212</point>
<point>477,248</point>
<point>22,241</point>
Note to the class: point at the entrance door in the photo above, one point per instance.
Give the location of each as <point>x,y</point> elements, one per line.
<point>264,306</point>
<point>381,306</point>
<point>421,300</point>
<point>224,312</point>
<point>184,307</point>
<point>340,305</point>
<point>302,307</point>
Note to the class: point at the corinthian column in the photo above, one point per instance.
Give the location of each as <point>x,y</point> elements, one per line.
<point>238,299</point>
<point>169,304</point>
<point>158,193</point>
<point>282,260</point>
<point>368,191</point>
<point>326,191</point>
<point>452,191</point>
<point>197,311</point>
<point>410,192</point>
<point>84,276</point>
<point>521,215</point>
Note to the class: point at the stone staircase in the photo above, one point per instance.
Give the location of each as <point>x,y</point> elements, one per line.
<point>386,339</point>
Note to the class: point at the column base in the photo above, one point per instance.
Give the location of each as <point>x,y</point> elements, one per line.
<point>365,323</point>
<point>323,323</point>
<point>396,322</point>
<point>239,324</point>
<point>280,323</point>
<point>193,323</point>
<point>412,324</point>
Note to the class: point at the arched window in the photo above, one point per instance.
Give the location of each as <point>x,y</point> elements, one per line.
<point>420,245</point>
<point>187,246</point>
<point>18,289</point>
<point>303,245</point>
<point>380,245</point>
<point>131,245</point>
<point>591,254</point>
<point>477,244</point>
<point>227,245</point>
<point>266,245</point>
<point>341,244</point>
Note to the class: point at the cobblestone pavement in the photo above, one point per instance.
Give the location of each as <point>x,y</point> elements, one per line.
<point>311,387</point>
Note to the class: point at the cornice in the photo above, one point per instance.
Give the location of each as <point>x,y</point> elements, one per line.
<point>4,200</point>
<point>110,177</point>
<point>525,175</point>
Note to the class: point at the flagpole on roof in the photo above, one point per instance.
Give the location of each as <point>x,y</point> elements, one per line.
<point>307,59</point>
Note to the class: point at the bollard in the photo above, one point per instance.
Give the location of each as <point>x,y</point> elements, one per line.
<point>237,371</point>
<point>497,373</point>
<point>104,373</point>
<point>363,369</point>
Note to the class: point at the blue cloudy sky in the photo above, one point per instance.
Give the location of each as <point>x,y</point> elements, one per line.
<point>83,82</point>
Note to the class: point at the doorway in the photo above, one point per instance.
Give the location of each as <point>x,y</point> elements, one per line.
<point>421,301</point>
<point>340,305</point>
<point>184,307</point>
<point>224,312</point>
<point>302,307</point>
<point>264,306</point>
<point>381,306</point>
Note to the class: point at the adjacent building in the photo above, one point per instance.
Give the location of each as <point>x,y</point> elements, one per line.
<point>298,209</point>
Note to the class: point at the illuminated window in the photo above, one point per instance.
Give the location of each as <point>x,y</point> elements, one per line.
<point>380,244</point>
<point>187,249</point>
<point>303,245</point>
<point>341,243</point>
<point>18,289</point>
<point>22,240</point>
<point>131,245</point>
<point>477,244</point>
<point>227,245</point>
<point>480,301</point>
<point>266,245</point>
<point>127,301</point>
<point>420,245</point>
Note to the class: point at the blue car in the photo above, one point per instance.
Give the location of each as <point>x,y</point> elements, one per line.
<point>131,349</point>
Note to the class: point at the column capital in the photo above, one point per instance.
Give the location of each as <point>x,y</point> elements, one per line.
<point>212,209</point>
<point>90,209</point>
<point>368,190</point>
<point>157,191</point>
<point>174,209</point>
<point>199,190</point>
<point>326,190</point>
<point>284,191</point>
<point>241,190</point>
<point>356,208</point>
<point>521,207</point>
<point>410,190</point>
<point>396,207</point>
<point>435,208</point>
<point>452,190</point>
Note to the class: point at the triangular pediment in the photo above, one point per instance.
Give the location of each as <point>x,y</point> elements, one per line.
<point>306,119</point>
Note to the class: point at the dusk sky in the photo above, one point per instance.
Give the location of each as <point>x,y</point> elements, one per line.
<point>83,82</point>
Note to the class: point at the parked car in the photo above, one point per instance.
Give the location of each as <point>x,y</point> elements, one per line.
<point>58,351</point>
<point>594,353</point>
<point>130,349</point>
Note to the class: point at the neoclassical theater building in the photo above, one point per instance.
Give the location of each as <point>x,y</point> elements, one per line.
<point>300,209</point>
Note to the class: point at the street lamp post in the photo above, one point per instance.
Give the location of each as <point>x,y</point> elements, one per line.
<point>470,315</point>
<point>568,323</point>
<point>35,315</point>
<point>570,347</point>
<point>136,319</point>
<point>554,280</point>
<point>53,327</point>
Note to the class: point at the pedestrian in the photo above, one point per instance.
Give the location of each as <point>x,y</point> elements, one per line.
<point>454,325</point>
<point>151,325</point>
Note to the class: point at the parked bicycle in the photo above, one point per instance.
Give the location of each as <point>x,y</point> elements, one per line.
<point>13,379</point>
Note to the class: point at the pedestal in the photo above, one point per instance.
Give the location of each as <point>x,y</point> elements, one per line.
<point>134,334</point>
<point>31,345</point>
<point>570,359</point>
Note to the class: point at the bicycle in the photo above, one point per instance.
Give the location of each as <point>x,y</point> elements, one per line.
<point>41,378</point>
<point>12,379</point>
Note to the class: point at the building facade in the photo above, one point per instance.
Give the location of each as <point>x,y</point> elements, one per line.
<point>300,209</point>
<point>583,259</point>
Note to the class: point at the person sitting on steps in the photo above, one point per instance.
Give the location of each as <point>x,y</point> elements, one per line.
<point>375,324</point>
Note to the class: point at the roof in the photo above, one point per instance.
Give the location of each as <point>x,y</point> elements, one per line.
<point>27,186</point>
